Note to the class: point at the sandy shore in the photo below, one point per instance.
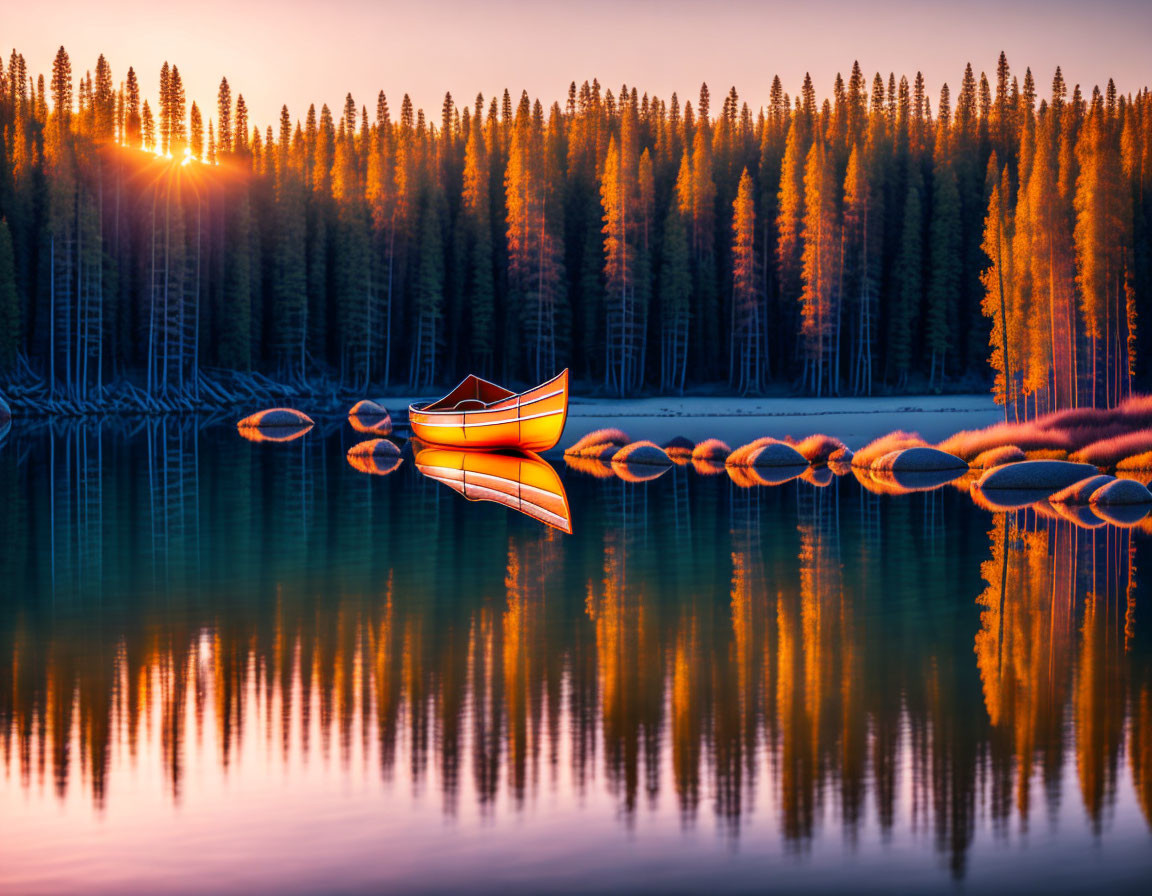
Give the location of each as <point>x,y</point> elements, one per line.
<point>855,421</point>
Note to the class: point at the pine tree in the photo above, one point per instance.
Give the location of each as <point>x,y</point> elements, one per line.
<point>818,299</point>
<point>747,351</point>
<point>861,242</point>
<point>675,302</point>
<point>908,277</point>
<point>164,110</point>
<point>224,118</point>
<point>790,216</point>
<point>429,297</point>
<point>196,134</point>
<point>944,266</point>
<point>235,313</point>
<point>132,122</point>
<point>11,328</point>
<point>1102,221</point>
<point>997,278</point>
<point>290,271</point>
<point>477,211</point>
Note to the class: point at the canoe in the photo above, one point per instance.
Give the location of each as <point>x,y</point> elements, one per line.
<point>519,480</point>
<point>480,415</point>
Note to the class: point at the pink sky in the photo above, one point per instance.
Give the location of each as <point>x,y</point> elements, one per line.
<point>298,52</point>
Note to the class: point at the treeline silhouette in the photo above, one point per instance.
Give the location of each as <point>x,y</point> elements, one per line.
<point>875,239</point>
<point>719,645</point>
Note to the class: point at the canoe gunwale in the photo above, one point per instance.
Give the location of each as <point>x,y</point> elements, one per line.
<point>426,408</point>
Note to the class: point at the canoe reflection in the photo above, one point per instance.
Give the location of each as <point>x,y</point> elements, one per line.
<point>522,481</point>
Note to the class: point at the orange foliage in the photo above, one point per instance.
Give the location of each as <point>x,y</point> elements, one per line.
<point>594,442</point>
<point>894,441</point>
<point>994,457</point>
<point>711,449</point>
<point>817,448</point>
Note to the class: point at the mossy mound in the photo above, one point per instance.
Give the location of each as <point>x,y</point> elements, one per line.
<point>1035,474</point>
<point>711,449</point>
<point>1121,491</point>
<point>767,452</point>
<point>642,453</point>
<point>593,444</point>
<point>679,448</point>
<point>841,456</point>
<point>378,457</point>
<point>920,459</point>
<point>995,457</point>
<point>274,418</point>
<point>1079,493</point>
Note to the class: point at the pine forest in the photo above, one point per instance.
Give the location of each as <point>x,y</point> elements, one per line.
<point>877,240</point>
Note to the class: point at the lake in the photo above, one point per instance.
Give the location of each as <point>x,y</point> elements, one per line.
<point>253,667</point>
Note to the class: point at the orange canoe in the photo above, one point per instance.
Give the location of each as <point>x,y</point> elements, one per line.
<point>519,480</point>
<point>482,416</point>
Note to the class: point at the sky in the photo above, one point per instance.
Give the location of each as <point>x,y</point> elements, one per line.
<point>295,52</point>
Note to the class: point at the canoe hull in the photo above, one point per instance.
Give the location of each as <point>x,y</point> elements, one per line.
<point>531,421</point>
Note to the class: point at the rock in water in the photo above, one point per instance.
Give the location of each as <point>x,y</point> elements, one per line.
<point>1036,474</point>
<point>776,454</point>
<point>368,408</point>
<point>369,416</point>
<point>376,456</point>
<point>818,448</point>
<point>841,456</point>
<point>995,457</point>
<point>644,453</point>
<point>275,417</point>
<point>711,449</point>
<point>1121,491</point>
<point>766,452</point>
<point>919,460</point>
<point>679,448</point>
<point>637,472</point>
<point>1079,493</point>
<point>275,425</point>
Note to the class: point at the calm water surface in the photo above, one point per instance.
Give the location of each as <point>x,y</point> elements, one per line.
<point>250,667</point>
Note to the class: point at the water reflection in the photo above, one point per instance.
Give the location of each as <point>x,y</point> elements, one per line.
<point>519,480</point>
<point>815,654</point>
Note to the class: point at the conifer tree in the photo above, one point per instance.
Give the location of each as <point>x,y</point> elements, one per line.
<point>908,278</point>
<point>132,121</point>
<point>790,215</point>
<point>196,133</point>
<point>997,278</point>
<point>675,302</point>
<point>10,324</point>
<point>235,313</point>
<point>860,245</point>
<point>148,129</point>
<point>818,298</point>
<point>224,118</point>
<point>944,265</point>
<point>429,297</point>
<point>164,109</point>
<point>477,211</point>
<point>747,375</point>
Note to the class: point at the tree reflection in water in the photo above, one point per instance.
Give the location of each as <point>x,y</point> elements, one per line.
<point>801,651</point>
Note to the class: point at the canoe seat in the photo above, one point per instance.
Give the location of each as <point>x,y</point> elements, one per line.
<point>469,404</point>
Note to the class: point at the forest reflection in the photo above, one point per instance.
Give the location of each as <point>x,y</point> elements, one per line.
<point>817,653</point>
